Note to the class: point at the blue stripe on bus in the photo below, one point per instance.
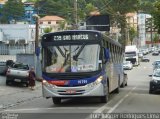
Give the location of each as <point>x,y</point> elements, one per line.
<point>77,82</point>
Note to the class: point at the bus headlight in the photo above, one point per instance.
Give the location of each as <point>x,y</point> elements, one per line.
<point>44,82</point>
<point>96,82</point>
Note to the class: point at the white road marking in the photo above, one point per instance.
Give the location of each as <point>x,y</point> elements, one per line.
<point>54,108</point>
<point>119,102</point>
<point>100,110</point>
<point>111,109</point>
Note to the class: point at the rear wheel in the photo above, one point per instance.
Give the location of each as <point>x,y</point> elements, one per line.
<point>126,84</point>
<point>25,84</point>
<point>123,84</point>
<point>150,91</point>
<point>8,82</point>
<point>117,89</point>
<point>56,100</point>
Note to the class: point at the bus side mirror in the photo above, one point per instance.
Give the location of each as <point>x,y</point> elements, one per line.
<point>106,54</point>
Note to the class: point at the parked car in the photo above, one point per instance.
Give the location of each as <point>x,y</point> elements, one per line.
<point>4,66</point>
<point>18,72</point>
<point>145,59</point>
<point>127,65</point>
<point>140,54</point>
<point>155,81</point>
<point>125,76</point>
<point>155,53</point>
<point>156,64</point>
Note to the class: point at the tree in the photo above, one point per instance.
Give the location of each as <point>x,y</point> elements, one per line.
<point>47,30</point>
<point>13,10</point>
<point>156,15</point>
<point>132,34</point>
<point>146,6</point>
<point>62,25</point>
<point>118,9</point>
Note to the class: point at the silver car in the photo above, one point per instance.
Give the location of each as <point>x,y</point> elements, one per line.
<point>127,65</point>
<point>19,73</point>
<point>155,81</point>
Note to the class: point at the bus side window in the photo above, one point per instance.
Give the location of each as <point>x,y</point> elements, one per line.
<point>111,52</point>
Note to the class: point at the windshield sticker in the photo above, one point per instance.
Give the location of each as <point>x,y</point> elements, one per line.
<point>86,67</point>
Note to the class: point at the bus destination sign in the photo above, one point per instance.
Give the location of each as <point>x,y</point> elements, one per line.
<point>71,37</point>
<point>75,37</point>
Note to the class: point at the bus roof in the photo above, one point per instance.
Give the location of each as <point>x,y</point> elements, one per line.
<point>88,31</point>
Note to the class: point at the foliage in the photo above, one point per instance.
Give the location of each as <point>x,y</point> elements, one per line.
<point>13,10</point>
<point>146,6</point>
<point>117,9</point>
<point>132,34</point>
<point>62,25</point>
<point>156,15</point>
<point>31,0</point>
<point>47,30</point>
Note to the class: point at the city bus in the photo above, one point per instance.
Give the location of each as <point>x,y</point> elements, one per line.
<point>80,63</point>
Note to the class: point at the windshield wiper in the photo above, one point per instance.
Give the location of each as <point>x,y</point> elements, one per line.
<point>59,49</point>
<point>75,57</point>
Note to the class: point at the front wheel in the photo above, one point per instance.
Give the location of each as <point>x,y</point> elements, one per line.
<point>56,100</point>
<point>104,99</point>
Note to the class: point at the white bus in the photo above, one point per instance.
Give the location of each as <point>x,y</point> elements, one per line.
<point>81,63</point>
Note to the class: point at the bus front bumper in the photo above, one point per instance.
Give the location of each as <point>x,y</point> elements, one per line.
<point>79,91</point>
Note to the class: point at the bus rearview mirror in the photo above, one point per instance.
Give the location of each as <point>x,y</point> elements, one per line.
<point>106,54</point>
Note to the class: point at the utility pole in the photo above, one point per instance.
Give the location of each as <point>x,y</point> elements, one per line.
<point>75,14</point>
<point>37,34</point>
<point>37,48</point>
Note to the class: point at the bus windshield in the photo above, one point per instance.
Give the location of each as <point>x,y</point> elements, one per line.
<point>71,58</point>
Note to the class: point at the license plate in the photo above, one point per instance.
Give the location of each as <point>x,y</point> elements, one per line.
<point>70,91</point>
<point>17,80</point>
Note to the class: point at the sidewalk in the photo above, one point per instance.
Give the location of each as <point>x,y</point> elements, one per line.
<point>11,96</point>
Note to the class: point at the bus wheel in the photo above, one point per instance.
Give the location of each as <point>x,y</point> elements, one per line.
<point>123,84</point>
<point>56,100</point>
<point>117,89</point>
<point>104,99</point>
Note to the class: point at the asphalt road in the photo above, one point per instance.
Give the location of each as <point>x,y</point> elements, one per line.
<point>135,98</point>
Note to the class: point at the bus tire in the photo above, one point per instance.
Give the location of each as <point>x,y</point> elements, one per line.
<point>56,100</point>
<point>123,84</point>
<point>104,99</point>
<point>117,89</point>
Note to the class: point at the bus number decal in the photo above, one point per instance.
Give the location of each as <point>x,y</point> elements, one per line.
<point>82,82</point>
<point>57,38</point>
